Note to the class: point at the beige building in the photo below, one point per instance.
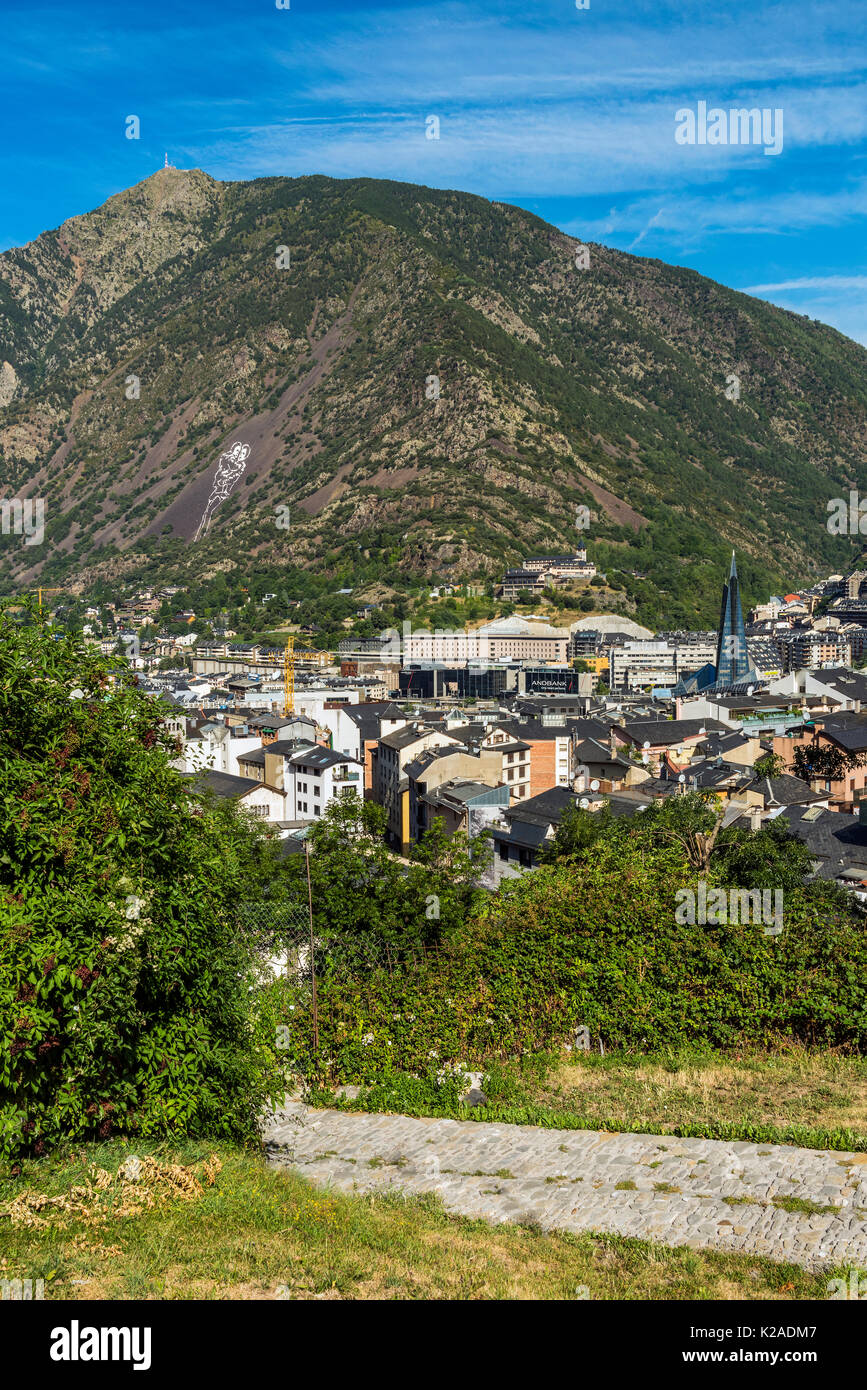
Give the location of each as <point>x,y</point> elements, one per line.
<point>390,758</point>
<point>506,639</point>
<point>437,766</point>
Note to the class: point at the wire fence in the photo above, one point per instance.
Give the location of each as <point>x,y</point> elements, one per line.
<point>304,959</point>
<point>288,942</point>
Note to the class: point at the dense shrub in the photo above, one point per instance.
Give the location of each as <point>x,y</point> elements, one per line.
<point>125,999</point>
<point>596,944</point>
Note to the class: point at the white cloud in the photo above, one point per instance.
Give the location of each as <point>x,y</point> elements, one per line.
<point>812,282</point>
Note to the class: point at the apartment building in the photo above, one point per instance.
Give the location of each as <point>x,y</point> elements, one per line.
<point>514,754</point>
<point>846,733</point>
<point>810,650</point>
<point>314,777</point>
<point>435,767</point>
<point>516,582</point>
<point>549,753</point>
<point>562,567</point>
<point>390,758</point>
<point>304,775</point>
<point>357,729</point>
<point>217,746</point>
<point>636,664</point>
<point>674,740</point>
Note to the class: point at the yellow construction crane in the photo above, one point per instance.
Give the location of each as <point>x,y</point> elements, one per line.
<point>42,591</point>
<point>289,678</point>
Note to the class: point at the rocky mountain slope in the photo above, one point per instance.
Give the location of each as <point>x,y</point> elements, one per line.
<point>428,384</point>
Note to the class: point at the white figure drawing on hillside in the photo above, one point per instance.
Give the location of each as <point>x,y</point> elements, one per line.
<point>230,466</point>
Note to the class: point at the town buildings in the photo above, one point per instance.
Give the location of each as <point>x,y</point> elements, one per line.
<point>492,731</point>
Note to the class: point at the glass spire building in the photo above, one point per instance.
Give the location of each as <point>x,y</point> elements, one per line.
<point>732,661</point>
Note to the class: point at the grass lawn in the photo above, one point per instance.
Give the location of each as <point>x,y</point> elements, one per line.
<point>818,1091</point>
<point>238,1229</point>
<point>813,1100</point>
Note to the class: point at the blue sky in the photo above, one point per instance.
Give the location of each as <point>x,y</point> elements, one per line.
<point>567,112</point>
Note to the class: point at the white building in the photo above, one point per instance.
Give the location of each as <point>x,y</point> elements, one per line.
<point>304,776</point>
<point>313,777</point>
<point>659,663</point>
<point>351,725</point>
<point>217,747</point>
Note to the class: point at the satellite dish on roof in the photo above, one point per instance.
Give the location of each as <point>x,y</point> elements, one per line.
<point>682,777</point>
<point>646,743</point>
<point>584,803</point>
<point>594,786</point>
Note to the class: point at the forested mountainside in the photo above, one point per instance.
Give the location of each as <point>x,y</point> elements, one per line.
<point>430,383</point>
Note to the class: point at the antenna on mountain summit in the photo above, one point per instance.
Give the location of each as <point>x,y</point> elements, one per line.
<point>167,165</point>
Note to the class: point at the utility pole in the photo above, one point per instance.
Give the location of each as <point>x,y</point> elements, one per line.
<point>312,960</point>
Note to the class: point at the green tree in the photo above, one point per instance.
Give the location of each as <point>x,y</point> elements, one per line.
<point>579,830</point>
<point>361,890</point>
<point>821,762</point>
<point>691,824</point>
<point>771,765</point>
<point>771,857</point>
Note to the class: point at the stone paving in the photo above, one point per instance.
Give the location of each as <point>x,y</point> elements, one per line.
<point>694,1192</point>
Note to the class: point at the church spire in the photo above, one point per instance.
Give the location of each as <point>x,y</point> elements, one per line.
<point>732,660</point>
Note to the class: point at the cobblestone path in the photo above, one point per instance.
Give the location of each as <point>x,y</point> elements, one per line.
<point>695,1192</point>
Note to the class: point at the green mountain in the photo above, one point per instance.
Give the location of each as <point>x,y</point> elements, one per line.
<point>430,387</point>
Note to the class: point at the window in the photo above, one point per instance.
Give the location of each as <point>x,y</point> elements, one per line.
<point>504,850</point>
